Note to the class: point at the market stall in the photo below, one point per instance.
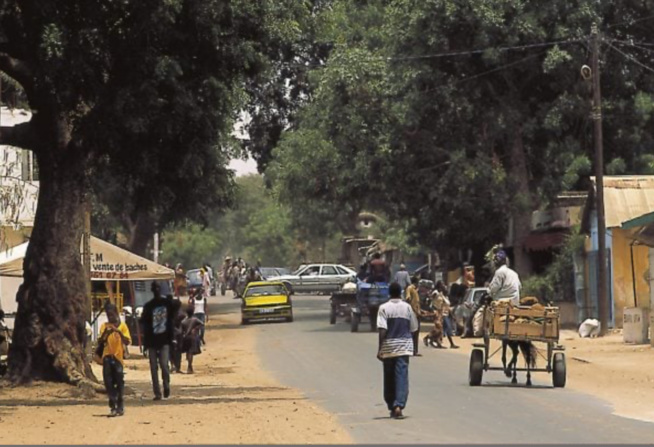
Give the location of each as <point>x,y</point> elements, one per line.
<point>117,268</point>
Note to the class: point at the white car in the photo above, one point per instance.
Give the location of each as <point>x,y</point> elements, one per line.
<point>324,278</point>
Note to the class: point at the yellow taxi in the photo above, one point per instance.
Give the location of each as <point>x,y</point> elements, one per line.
<point>266,301</point>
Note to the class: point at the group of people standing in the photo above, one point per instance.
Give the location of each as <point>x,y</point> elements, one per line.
<point>169,332</point>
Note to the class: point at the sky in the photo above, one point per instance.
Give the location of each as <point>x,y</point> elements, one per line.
<point>243,167</point>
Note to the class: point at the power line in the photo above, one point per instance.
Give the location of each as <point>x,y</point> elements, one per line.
<point>630,22</point>
<point>478,51</point>
<point>511,64</point>
<point>631,58</point>
<point>633,45</point>
<point>631,42</point>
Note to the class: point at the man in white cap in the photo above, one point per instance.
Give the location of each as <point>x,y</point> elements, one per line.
<point>403,278</point>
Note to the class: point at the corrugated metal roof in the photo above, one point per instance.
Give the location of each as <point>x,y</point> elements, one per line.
<point>626,197</point>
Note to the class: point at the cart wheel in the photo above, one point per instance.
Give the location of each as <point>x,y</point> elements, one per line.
<point>354,324</point>
<point>223,289</point>
<point>245,321</point>
<point>289,319</point>
<point>558,371</point>
<point>476,367</point>
<point>332,315</point>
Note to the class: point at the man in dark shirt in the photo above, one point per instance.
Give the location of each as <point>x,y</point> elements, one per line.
<point>378,270</point>
<point>158,325</point>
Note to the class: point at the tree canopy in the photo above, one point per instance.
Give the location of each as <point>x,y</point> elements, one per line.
<point>445,114</point>
<point>146,90</point>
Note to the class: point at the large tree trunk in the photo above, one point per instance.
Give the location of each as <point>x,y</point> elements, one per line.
<point>50,335</point>
<point>523,205</point>
<point>141,232</point>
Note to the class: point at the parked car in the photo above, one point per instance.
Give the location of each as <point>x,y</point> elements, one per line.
<point>194,281</point>
<point>463,310</point>
<point>320,278</point>
<point>266,301</point>
<point>270,272</point>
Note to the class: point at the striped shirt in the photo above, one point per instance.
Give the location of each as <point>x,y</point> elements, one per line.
<point>397,317</point>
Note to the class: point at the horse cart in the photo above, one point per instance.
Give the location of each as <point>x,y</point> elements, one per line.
<point>342,302</point>
<point>520,329</point>
<point>369,297</point>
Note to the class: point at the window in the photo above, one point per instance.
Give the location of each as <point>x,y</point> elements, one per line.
<point>274,289</point>
<point>29,167</point>
<point>311,271</point>
<point>342,271</point>
<point>329,270</point>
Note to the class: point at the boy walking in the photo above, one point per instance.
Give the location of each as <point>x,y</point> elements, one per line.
<point>397,323</point>
<point>114,336</point>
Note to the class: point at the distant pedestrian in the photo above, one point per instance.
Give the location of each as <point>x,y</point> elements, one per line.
<point>191,327</point>
<point>403,278</point>
<point>200,310</point>
<point>176,346</point>
<point>114,336</point>
<point>413,298</point>
<point>180,282</point>
<point>396,322</point>
<point>157,320</point>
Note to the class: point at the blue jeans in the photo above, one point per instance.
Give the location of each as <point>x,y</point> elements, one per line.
<point>159,358</point>
<point>114,383</point>
<point>396,381</point>
<point>447,326</point>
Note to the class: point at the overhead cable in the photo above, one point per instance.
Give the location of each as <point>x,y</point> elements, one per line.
<point>631,58</point>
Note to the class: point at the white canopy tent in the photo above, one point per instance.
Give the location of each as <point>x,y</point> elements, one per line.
<point>108,263</point>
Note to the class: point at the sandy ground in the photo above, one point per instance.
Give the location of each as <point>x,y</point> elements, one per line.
<point>606,367</point>
<point>229,400</point>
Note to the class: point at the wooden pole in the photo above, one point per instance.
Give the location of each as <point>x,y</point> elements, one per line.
<point>603,304</point>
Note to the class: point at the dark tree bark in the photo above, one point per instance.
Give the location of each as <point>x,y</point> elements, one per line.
<point>50,335</point>
<point>522,211</point>
<point>141,232</point>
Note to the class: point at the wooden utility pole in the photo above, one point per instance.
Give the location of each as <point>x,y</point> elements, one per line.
<point>602,298</point>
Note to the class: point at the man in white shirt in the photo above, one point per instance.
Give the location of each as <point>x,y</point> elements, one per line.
<point>505,285</point>
<point>396,323</point>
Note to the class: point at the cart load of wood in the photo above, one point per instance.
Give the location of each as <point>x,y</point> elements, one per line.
<point>536,322</point>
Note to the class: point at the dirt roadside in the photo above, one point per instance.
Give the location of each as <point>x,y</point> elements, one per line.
<point>229,400</point>
<point>606,367</point>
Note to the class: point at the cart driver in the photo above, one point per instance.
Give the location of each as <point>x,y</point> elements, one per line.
<point>378,270</point>
<point>505,286</point>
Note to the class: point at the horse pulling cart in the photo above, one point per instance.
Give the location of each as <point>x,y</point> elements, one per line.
<point>520,328</point>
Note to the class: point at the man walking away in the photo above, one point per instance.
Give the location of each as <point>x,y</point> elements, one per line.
<point>191,327</point>
<point>157,320</point>
<point>396,323</point>
<point>403,278</point>
<point>413,299</point>
<point>114,336</point>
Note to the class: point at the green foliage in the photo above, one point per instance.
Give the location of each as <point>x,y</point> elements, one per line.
<point>191,245</point>
<point>430,140</point>
<point>557,283</point>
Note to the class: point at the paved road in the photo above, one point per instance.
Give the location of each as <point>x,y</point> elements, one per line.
<point>338,369</point>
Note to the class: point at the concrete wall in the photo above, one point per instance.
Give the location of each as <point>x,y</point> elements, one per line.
<point>623,284</point>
